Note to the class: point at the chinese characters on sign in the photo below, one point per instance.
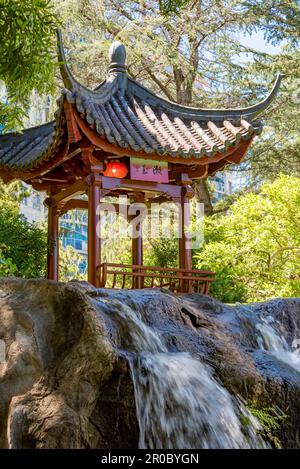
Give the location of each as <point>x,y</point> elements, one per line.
<point>149,170</point>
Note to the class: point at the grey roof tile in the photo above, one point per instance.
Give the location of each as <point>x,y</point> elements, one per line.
<point>21,150</point>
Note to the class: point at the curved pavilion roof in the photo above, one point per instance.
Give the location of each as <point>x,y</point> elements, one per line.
<point>126,116</point>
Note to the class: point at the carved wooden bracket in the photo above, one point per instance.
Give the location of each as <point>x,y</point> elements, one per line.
<point>74,134</point>
<point>187,192</point>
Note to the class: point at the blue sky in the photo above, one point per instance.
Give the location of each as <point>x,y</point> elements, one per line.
<point>257,41</point>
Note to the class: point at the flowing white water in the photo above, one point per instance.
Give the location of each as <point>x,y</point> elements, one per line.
<point>179,403</point>
<point>271,341</point>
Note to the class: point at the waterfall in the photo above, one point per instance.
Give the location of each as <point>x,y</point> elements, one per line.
<point>179,403</point>
<point>270,341</point>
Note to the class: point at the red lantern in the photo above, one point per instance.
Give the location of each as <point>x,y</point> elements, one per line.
<point>115,169</point>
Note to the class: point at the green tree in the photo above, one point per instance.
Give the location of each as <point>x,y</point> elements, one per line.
<point>26,54</point>
<point>255,248</point>
<point>23,245</point>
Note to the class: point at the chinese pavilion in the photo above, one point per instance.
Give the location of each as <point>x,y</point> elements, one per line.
<point>96,146</point>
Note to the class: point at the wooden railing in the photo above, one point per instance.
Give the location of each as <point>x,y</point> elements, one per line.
<point>134,276</point>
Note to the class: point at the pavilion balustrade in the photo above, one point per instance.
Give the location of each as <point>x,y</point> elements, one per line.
<point>177,280</point>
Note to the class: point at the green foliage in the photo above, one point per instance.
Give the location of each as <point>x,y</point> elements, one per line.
<point>115,239</point>
<point>277,150</point>
<point>11,116</point>
<point>26,54</point>
<point>25,244</point>
<point>270,421</point>
<point>7,267</point>
<point>22,244</point>
<point>225,203</point>
<point>227,287</point>
<point>169,7</point>
<point>69,264</point>
<point>278,20</point>
<point>255,248</point>
<point>12,194</point>
<point>245,421</point>
<point>163,252</point>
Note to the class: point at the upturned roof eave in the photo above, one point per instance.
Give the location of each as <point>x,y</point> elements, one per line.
<point>189,112</point>
<point>109,85</point>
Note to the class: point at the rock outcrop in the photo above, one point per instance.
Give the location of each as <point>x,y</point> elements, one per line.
<point>66,382</point>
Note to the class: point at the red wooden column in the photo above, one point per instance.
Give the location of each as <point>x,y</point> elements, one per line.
<point>52,252</point>
<point>137,254</point>
<point>185,251</point>
<point>94,241</point>
<point>137,240</point>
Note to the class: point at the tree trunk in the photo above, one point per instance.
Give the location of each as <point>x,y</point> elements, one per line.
<point>184,90</point>
<point>202,195</point>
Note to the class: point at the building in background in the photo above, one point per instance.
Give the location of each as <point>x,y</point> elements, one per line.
<point>32,207</point>
<point>223,185</point>
<point>39,111</point>
<point>72,225</point>
<point>73,230</point>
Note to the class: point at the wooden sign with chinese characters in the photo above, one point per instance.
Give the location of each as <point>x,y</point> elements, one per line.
<point>149,170</point>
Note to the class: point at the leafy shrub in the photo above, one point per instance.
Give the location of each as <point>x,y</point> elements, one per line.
<point>24,245</point>
<point>255,248</point>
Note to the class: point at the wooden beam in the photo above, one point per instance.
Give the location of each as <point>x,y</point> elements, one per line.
<point>158,200</point>
<point>198,172</point>
<point>137,255</point>
<point>237,156</point>
<point>109,184</point>
<point>58,180</point>
<point>7,175</point>
<point>74,204</point>
<point>91,163</point>
<point>80,204</point>
<point>60,157</point>
<point>78,188</point>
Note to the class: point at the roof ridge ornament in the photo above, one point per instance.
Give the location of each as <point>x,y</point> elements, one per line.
<point>117,66</point>
<point>117,57</point>
<point>100,94</point>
